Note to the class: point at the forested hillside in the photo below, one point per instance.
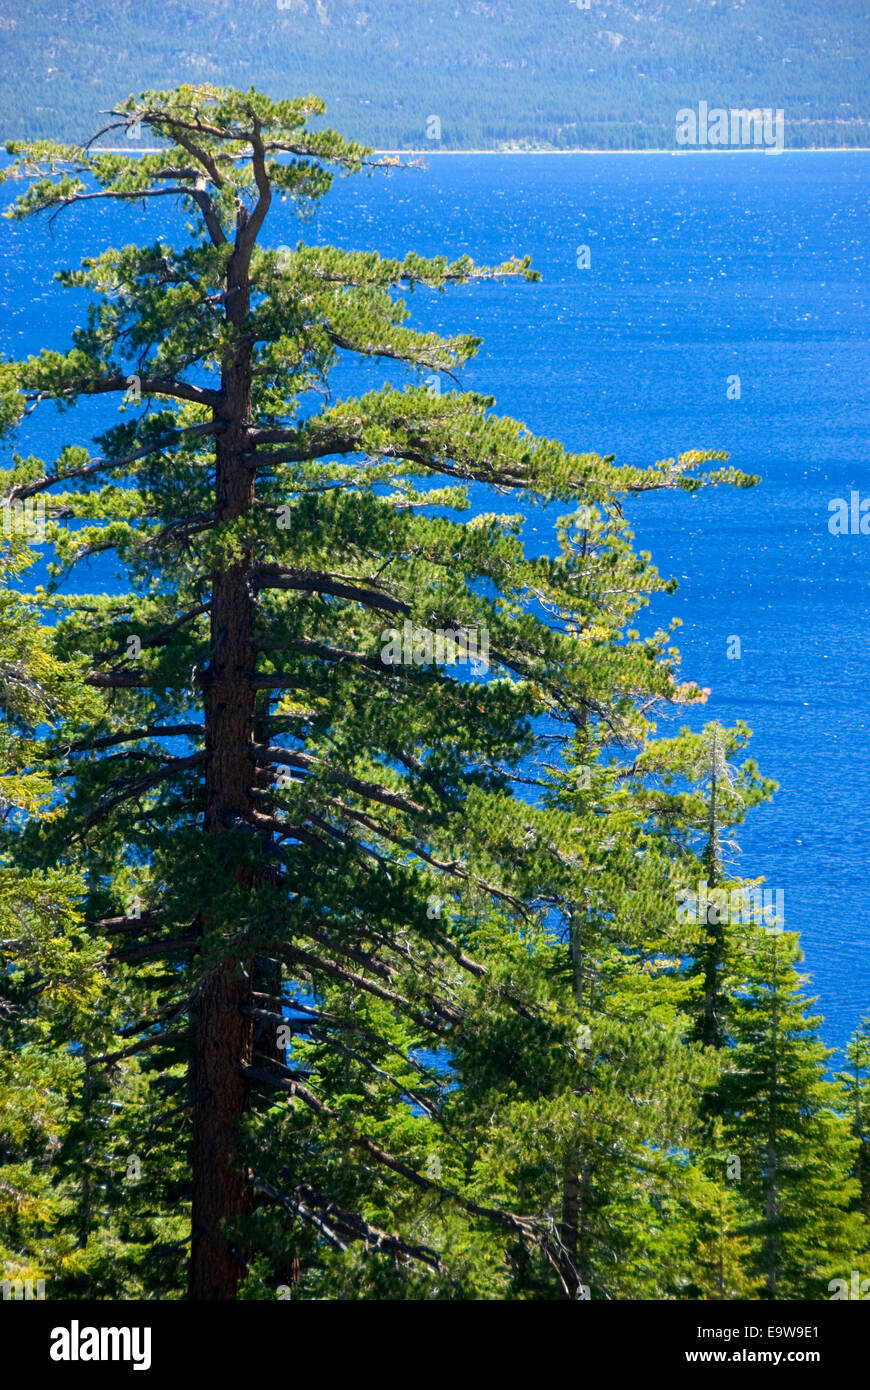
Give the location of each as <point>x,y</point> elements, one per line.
<point>545,73</point>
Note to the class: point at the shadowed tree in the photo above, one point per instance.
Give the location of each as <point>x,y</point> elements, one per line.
<point>855,1081</point>
<point>781,1114</point>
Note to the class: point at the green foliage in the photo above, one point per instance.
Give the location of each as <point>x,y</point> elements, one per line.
<point>783,1117</point>
<point>384,938</point>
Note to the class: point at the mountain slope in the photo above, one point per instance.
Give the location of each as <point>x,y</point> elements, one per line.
<point>544,72</point>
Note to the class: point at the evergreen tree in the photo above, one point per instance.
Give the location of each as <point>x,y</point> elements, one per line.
<point>296,811</point>
<point>775,1147</point>
<point>855,1081</point>
<point>781,1116</point>
<point>51,985</point>
<point>711,798</point>
<point>606,1136</point>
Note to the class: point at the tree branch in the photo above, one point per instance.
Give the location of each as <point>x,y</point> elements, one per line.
<point>133,736</point>
<point>156,948</point>
<point>352,1225</point>
<point>109,1058</point>
<point>158,638</point>
<point>525,1226</point>
<point>310,581</point>
<point>148,385</point>
<point>307,761</point>
<point>102,465</point>
<point>350,977</point>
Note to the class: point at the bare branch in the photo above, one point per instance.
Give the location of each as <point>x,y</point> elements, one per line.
<point>352,1225</point>
<point>133,736</point>
<point>310,581</point>
<point>170,1038</point>
<point>338,972</point>
<point>148,385</point>
<point>156,948</point>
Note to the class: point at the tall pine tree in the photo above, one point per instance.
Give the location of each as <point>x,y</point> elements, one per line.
<point>296,810</point>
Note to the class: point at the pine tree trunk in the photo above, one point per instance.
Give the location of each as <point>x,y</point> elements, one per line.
<point>771,1239</point>
<point>771,1243</point>
<point>570,1216</point>
<point>84,1220</point>
<point>223,1028</point>
<point>220,1188</point>
<point>223,1025</point>
<point>571,1184</point>
<point>714,941</point>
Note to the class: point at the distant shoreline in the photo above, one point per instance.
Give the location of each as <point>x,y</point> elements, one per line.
<point>833,149</point>
<point>737,149</point>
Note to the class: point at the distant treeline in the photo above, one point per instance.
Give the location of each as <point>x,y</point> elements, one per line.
<point>543,73</point>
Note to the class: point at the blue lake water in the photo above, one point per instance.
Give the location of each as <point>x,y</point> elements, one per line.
<point>702,267</point>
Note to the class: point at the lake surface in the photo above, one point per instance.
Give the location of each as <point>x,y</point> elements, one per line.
<point>702,267</point>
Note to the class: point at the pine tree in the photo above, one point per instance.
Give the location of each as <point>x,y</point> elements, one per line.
<point>602,1137</point>
<point>781,1116</point>
<point>719,1216</point>
<point>50,982</point>
<point>856,1085</point>
<point>705,797</point>
<point>775,1149</point>
<point>296,810</point>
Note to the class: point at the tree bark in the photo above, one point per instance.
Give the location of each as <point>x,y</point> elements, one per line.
<point>771,1238</point>
<point>572,1186</point>
<point>223,1026</point>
